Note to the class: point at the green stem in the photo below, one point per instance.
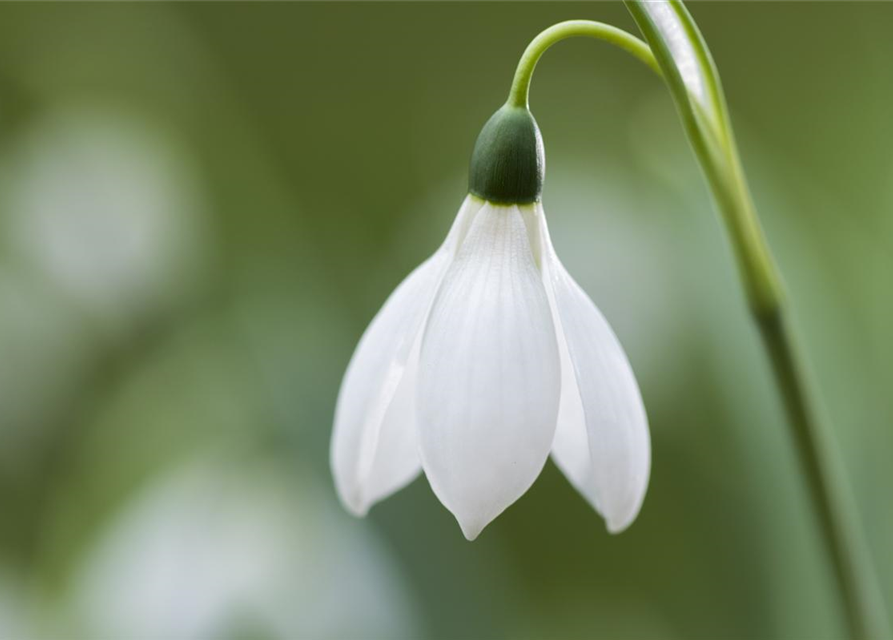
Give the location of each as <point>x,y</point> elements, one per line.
<point>826,482</point>
<point>572,29</point>
<point>707,127</point>
<point>709,131</point>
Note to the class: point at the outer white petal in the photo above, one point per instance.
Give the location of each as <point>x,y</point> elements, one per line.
<point>489,373</point>
<point>602,442</point>
<point>374,449</point>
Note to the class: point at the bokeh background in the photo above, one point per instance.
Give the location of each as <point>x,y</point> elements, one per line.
<point>203,205</point>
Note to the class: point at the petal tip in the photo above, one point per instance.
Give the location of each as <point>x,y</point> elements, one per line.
<point>617,527</point>
<point>621,523</point>
<point>358,511</point>
<point>471,531</point>
<point>353,503</point>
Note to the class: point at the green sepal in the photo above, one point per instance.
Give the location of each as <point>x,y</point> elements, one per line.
<point>508,163</point>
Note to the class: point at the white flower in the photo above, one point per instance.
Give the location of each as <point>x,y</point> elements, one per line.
<point>484,360</point>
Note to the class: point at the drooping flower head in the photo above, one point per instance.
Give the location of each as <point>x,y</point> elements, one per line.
<point>489,357</point>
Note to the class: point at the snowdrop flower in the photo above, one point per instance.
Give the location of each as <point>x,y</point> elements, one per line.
<point>489,357</point>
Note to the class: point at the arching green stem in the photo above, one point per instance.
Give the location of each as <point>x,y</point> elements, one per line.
<point>679,54</point>
<point>573,29</point>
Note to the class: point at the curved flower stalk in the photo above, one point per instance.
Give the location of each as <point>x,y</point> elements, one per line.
<point>489,357</point>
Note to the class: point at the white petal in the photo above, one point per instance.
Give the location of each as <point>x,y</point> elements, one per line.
<point>374,449</point>
<point>602,442</point>
<point>489,373</point>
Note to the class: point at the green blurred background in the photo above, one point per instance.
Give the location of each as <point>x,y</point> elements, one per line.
<point>203,205</point>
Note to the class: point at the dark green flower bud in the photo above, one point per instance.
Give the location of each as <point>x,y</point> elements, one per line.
<point>508,164</point>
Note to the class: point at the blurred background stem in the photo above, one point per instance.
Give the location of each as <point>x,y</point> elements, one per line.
<point>709,131</point>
